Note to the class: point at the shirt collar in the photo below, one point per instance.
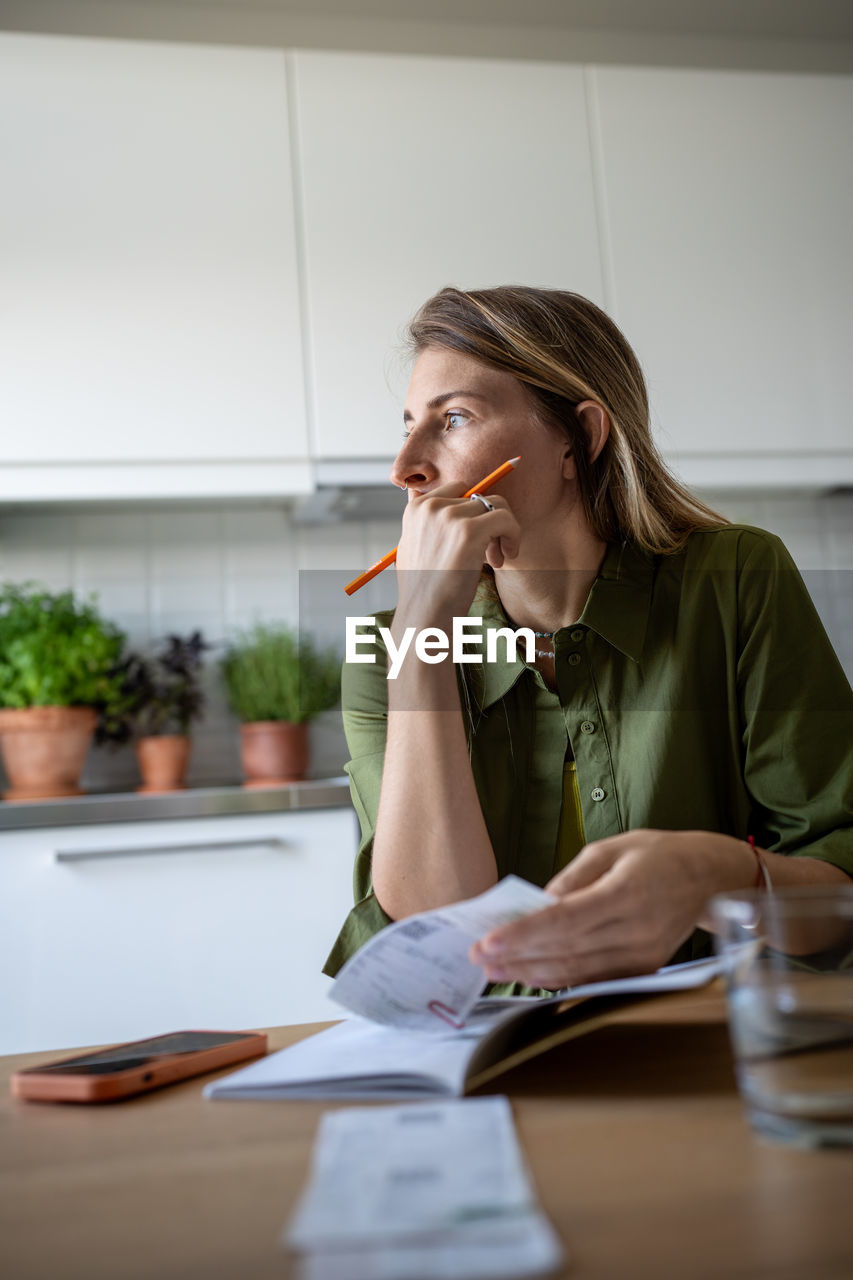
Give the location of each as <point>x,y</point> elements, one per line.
<point>617,609</point>
<point>618,605</point>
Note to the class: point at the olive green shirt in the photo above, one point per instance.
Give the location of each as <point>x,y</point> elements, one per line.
<point>696,691</point>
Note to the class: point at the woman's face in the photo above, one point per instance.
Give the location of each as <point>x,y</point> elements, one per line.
<point>463,419</point>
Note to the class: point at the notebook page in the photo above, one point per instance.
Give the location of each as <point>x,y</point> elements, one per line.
<point>416,973</point>
<point>356,1059</point>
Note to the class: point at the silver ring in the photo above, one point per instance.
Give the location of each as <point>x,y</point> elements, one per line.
<point>478,497</point>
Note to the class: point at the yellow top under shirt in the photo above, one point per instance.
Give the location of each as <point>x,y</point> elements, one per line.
<point>552,743</point>
<point>570,833</point>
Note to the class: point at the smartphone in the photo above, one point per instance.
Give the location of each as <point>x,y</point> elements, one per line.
<point>136,1067</point>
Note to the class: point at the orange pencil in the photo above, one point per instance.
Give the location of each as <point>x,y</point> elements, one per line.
<point>491,479</point>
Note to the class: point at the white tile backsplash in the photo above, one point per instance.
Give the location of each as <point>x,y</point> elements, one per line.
<point>37,547</point>
<point>223,567</point>
<point>256,599</point>
<point>839,531</point>
<point>333,546</point>
<point>100,566</point>
<point>116,597</point>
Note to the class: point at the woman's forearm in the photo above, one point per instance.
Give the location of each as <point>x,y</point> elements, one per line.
<point>790,933</point>
<point>735,867</point>
<point>431,845</point>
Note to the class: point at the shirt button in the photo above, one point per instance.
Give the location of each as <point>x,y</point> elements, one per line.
<point>597,793</point>
<point>577,634</point>
<point>574,659</point>
<point>587,726</point>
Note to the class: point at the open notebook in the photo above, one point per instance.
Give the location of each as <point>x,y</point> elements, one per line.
<point>360,1059</point>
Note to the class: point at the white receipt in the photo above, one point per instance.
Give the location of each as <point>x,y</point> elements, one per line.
<point>524,1246</point>
<point>416,973</point>
<point>425,1189</point>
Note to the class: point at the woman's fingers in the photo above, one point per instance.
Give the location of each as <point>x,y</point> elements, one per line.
<point>568,924</point>
<point>629,895</point>
<point>453,489</point>
<point>555,948</point>
<point>557,972</point>
<point>500,550</point>
<point>504,547</point>
<point>446,532</point>
<point>593,861</point>
<point>455,492</point>
<point>496,520</point>
<point>494,535</point>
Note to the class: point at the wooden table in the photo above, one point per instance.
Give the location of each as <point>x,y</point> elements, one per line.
<point>635,1135</point>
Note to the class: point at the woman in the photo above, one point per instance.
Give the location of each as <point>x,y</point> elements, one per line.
<point>683,697</point>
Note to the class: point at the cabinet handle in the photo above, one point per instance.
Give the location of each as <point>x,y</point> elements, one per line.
<point>143,850</point>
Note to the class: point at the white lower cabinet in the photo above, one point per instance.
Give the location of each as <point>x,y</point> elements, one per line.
<point>125,930</point>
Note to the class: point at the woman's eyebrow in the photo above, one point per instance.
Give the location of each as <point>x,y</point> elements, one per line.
<point>438,401</point>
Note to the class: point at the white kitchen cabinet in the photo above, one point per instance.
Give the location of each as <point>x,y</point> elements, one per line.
<point>419,172</point>
<point>181,291</point>
<point>150,333</point>
<point>728,202</point>
<point>119,931</point>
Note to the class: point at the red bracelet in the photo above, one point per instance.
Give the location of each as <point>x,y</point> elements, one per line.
<point>762,878</point>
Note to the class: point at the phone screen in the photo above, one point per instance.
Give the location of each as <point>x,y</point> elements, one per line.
<point>125,1056</point>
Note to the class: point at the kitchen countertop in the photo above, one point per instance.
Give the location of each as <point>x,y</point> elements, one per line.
<point>195,802</point>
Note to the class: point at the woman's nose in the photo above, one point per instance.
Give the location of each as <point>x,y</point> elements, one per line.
<point>411,469</point>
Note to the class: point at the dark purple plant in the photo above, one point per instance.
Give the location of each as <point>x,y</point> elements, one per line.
<point>160,694</point>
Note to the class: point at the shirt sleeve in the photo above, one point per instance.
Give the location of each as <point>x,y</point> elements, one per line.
<point>797,711</point>
<point>364,700</point>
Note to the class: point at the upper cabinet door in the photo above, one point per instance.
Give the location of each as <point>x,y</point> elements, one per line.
<point>150,302</point>
<point>729,209</point>
<point>418,173</point>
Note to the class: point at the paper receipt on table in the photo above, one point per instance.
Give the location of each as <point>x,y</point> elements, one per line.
<point>424,1189</point>
<point>416,973</point>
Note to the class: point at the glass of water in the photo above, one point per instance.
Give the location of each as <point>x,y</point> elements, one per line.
<point>789,971</point>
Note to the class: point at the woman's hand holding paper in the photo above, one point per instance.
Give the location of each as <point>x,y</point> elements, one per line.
<point>625,905</point>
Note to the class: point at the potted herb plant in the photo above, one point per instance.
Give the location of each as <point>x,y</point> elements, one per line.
<point>57,676</point>
<point>277,682</point>
<point>161,696</point>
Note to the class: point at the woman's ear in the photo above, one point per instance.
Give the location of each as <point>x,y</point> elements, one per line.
<point>595,421</point>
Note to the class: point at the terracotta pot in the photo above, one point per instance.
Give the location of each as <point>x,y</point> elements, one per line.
<point>44,750</point>
<point>274,752</point>
<point>163,762</point>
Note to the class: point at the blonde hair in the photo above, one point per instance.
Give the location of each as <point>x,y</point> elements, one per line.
<point>564,349</point>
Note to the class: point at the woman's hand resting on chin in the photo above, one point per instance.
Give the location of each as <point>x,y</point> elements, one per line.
<point>450,538</point>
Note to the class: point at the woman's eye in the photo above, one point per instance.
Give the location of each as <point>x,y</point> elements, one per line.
<point>454,419</point>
